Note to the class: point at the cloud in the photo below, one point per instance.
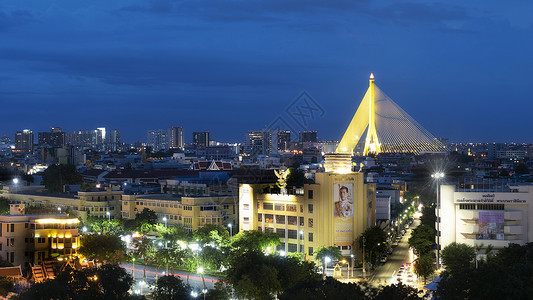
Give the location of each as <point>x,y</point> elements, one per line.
<point>10,19</point>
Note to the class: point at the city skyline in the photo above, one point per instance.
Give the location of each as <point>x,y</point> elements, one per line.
<point>226,69</point>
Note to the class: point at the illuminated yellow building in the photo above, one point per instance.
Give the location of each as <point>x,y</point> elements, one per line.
<point>83,204</point>
<point>30,239</point>
<point>334,211</point>
<point>190,212</point>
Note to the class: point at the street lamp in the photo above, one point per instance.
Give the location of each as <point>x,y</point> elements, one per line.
<point>108,216</point>
<point>353,261</point>
<point>59,209</point>
<point>133,268</point>
<point>230,232</point>
<point>15,182</point>
<point>326,261</point>
<point>165,220</point>
<point>438,176</point>
<point>303,242</point>
<point>371,260</point>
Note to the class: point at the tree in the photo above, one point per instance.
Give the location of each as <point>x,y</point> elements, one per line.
<point>104,248</point>
<point>220,292</point>
<point>329,288</point>
<point>4,206</point>
<point>107,282</point>
<point>296,178</point>
<point>424,266</point>
<point>145,220</point>
<point>55,176</point>
<point>258,276</point>
<point>170,287</point>
<point>334,253</point>
<point>375,241</point>
<point>421,240</point>
<point>457,257</point>
<point>398,292</point>
<point>6,286</point>
<point>254,240</point>
<point>145,250</point>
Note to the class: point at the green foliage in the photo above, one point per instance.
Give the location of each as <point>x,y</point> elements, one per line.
<point>323,289</point>
<point>55,176</point>
<point>6,285</point>
<point>104,225</point>
<point>334,253</point>
<point>107,282</point>
<point>457,257</point>
<point>215,234</point>
<point>220,292</point>
<point>374,236</point>
<point>428,216</point>
<point>170,288</point>
<point>422,239</point>
<point>4,206</point>
<point>398,292</point>
<point>254,240</point>
<point>424,266</point>
<point>296,178</point>
<point>259,276</point>
<point>145,220</point>
<point>104,248</point>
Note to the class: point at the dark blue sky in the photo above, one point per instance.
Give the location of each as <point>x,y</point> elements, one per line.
<point>463,69</point>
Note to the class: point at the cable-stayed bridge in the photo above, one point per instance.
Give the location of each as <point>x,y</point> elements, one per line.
<point>384,127</point>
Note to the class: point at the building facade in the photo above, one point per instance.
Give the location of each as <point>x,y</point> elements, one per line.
<point>24,141</point>
<point>176,138</point>
<point>189,212</point>
<point>200,140</point>
<point>486,217</point>
<point>334,211</point>
<point>30,239</point>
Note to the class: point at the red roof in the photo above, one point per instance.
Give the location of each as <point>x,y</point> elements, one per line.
<point>11,271</point>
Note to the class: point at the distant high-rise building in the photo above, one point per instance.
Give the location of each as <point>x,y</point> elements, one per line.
<point>5,140</point>
<point>113,140</point>
<point>24,140</point>
<point>263,142</point>
<point>87,138</point>
<point>284,138</point>
<point>55,138</point>
<point>176,138</point>
<point>157,139</point>
<point>200,139</point>
<point>308,136</point>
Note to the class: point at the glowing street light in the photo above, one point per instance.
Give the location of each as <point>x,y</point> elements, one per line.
<point>165,220</point>
<point>438,176</point>
<point>108,216</point>
<point>326,261</point>
<point>230,232</point>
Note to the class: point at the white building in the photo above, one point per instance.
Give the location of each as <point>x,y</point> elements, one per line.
<point>476,217</point>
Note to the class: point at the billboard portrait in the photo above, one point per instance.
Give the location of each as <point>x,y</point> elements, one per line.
<point>343,212</point>
<point>491,225</point>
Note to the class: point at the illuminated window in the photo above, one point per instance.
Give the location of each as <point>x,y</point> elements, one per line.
<point>280,207</point>
<point>291,207</point>
<point>310,223</point>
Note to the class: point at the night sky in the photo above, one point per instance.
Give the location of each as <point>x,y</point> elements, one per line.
<point>462,69</point>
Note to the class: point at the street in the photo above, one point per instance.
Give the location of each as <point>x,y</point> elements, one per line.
<point>142,286</point>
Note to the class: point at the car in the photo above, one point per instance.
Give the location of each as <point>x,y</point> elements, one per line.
<point>395,244</point>
<point>384,259</point>
<point>389,251</point>
<point>410,277</point>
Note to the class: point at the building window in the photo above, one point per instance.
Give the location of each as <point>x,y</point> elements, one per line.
<point>280,219</point>
<point>291,220</point>
<point>269,218</point>
<point>491,207</point>
<point>291,207</point>
<point>302,221</point>
<point>310,208</point>
<point>310,194</point>
<point>260,217</point>
<point>281,232</point>
<point>246,206</point>
<point>467,206</point>
<point>280,207</point>
<point>310,223</point>
<point>310,250</point>
<point>292,234</point>
<point>268,206</point>
<point>225,206</point>
<point>292,247</point>
<point>310,237</point>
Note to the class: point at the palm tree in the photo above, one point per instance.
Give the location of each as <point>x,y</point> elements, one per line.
<point>144,249</point>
